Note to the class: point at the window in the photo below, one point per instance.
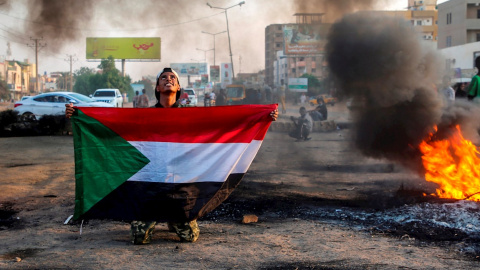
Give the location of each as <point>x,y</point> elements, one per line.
<point>449,18</point>
<point>313,58</point>
<point>478,13</point>
<point>278,45</point>
<point>278,35</point>
<point>314,70</point>
<point>419,22</point>
<point>301,59</point>
<point>279,27</point>
<point>478,36</point>
<point>294,70</point>
<point>449,41</point>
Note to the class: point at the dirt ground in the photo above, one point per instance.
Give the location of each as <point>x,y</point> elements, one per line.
<point>298,190</point>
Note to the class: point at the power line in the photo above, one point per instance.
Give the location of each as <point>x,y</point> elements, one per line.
<point>71,60</point>
<point>37,44</point>
<point>110,30</point>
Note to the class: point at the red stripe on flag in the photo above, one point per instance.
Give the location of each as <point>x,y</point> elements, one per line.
<point>223,124</point>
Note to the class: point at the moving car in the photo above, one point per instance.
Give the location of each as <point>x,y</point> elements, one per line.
<point>192,96</point>
<point>236,94</point>
<point>52,103</point>
<point>109,95</point>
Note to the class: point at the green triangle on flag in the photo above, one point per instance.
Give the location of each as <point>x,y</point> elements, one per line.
<point>103,161</point>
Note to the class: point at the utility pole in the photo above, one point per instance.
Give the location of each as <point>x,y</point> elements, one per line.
<point>239,64</point>
<point>71,60</point>
<point>37,45</point>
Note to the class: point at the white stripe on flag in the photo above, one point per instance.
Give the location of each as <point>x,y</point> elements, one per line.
<point>193,162</point>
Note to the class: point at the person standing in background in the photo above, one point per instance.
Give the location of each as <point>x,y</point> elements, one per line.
<point>281,95</point>
<point>474,86</point>
<point>135,99</point>
<point>142,100</point>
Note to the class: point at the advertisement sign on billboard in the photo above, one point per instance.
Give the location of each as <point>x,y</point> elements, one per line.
<point>204,79</point>
<point>215,73</point>
<point>226,73</point>
<point>304,38</point>
<point>124,48</point>
<point>185,69</point>
<point>298,84</point>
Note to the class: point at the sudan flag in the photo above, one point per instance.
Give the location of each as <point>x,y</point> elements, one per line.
<point>162,164</point>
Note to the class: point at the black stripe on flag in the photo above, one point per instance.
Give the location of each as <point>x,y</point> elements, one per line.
<point>151,201</point>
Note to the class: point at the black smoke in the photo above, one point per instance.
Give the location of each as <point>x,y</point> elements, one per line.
<point>390,76</point>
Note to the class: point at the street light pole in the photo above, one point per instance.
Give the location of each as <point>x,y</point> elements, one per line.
<point>213,42</point>
<point>205,51</point>
<point>228,32</point>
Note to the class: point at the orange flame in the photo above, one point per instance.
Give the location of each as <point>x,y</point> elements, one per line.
<point>453,164</point>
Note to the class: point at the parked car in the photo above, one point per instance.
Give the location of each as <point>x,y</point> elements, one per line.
<point>109,95</point>
<point>326,98</point>
<point>192,96</point>
<point>52,103</point>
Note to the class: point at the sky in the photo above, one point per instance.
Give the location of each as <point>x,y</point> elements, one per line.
<point>63,26</point>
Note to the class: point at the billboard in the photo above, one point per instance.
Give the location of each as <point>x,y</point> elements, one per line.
<point>215,73</point>
<point>185,69</point>
<point>298,85</point>
<point>145,49</point>
<point>304,39</point>
<point>226,73</point>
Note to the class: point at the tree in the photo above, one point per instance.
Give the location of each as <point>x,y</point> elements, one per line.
<point>82,80</point>
<point>4,92</point>
<point>87,80</point>
<point>314,84</point>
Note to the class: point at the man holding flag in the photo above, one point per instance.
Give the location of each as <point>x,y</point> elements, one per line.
<point>167,92</point>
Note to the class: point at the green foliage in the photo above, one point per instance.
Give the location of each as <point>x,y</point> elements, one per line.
<point>82,80</point>
<point>4,92</point>
<point>315,86</point>
<point>87,81</point>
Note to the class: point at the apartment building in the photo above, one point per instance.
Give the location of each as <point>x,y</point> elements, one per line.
<point>295,48</point>
<point>458,22</point>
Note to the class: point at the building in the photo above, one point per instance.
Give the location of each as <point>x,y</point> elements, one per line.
<point>17,76</point>
<point>458,23</point>
<point>422,5</point>
<point>423,15</point>
<point>294,49</point>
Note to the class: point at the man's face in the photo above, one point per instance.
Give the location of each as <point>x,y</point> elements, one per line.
<point>303,112</point>
<point>168,82</point>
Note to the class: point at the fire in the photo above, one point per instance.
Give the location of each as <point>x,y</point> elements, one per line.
<point>453,164</point>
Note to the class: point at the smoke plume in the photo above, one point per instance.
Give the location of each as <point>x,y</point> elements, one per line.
<point>58,20</point>
<point>334,9</point>
<point>380,63</point>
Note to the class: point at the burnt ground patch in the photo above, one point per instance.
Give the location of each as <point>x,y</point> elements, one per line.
<point>373,212</point>
<point>7,219</point>
<point>330,265</point>
<point>21,253</point>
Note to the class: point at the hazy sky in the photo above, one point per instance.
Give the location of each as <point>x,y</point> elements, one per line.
<point>179,24</point>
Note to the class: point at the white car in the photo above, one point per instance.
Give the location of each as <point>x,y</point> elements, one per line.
<point>109,95</point>
<point>192,96</point>
<point>52,103</point>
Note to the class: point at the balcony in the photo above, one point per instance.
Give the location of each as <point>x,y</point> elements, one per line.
<point>473,24</point>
